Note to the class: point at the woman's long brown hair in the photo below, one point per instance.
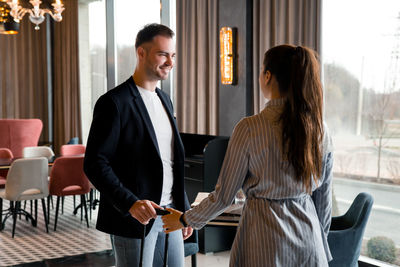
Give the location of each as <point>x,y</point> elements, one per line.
<point>297,72</point>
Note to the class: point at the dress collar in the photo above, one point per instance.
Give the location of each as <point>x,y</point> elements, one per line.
<point>276,102</point>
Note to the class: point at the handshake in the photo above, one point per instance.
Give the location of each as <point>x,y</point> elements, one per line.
<point>162,212</point>
<point>145,210</point>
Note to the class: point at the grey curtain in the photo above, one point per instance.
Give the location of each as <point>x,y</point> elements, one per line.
<point>276,22</point>
<point>23,75</point>
<point>197,66</point>
<point>67,118</point>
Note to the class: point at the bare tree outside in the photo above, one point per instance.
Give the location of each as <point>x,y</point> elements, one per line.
<point>383,110</point>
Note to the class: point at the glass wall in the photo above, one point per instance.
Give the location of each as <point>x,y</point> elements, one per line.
<point>130,17</point>
<point>361,64</point>
<point>92,58</point>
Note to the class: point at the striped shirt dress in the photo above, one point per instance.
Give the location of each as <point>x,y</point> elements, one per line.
<point>281,224</point>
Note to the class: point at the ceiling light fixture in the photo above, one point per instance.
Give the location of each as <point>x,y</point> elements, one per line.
<point>36,14</point>
<point>7,24</point>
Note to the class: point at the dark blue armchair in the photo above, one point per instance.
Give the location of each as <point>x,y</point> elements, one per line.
<point>73,141</point>
<point>346,232</point>
<point>192,247</point>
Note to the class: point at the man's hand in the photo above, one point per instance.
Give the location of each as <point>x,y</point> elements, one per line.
<point>143,211</point>
<point>187,232</point>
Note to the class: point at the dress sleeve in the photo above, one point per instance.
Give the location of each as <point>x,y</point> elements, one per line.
<point>322,196</point>
<point>231,178</point>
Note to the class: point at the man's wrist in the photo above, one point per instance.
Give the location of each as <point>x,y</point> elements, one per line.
<point>182,220</point>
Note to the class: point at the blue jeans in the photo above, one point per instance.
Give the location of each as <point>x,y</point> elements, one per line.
<point>127,250</point>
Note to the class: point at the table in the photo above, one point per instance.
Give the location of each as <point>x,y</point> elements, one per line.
<point>5,164</point>
<point>219,233</point>
<point>230,217</point>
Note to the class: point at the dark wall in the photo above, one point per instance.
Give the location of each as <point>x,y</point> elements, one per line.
<point>235,101</point>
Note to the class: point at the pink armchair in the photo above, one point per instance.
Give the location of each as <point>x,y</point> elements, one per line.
<point>19,133</point>
<point>67,179</point>
<point>72,150</point>
<point>5,153</point>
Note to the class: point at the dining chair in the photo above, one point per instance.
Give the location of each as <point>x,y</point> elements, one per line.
<point>73,141</point>
<point>191,247</point>
<point>19,133</point>
<point>66,179</point>
<point>79,149</point>
<point>73,150</point>
<point>26,180</point>
<point>5,153</point>
<point>38,151</point>
<point>346,232</point>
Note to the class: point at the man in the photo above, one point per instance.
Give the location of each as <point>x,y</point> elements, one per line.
<point>135,156</point>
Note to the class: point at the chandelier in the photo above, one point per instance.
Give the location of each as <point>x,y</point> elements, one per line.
<point>7,24</point>
<point>36,14</point>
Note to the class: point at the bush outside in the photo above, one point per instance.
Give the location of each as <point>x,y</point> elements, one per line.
<point>381,248</point>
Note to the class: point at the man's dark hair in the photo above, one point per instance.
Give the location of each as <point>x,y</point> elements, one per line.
<point>150,31</point>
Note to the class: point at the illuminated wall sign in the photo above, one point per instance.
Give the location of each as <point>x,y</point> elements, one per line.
<point>227,56</point>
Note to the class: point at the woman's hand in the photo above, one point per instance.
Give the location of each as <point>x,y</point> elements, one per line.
<point>171,221</point>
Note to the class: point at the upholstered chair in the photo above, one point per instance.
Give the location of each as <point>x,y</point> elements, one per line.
<point>191,246</point>
<point>346,232</point>
<point>38,151</point>
<point>72,150</point>
<point>67,179</point>
<point>19,133</point>
<point>73,141</point>
<point>5,153</point>
<point>26,180</point>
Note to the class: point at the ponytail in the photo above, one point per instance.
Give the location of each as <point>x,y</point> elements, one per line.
<point>297,72</point>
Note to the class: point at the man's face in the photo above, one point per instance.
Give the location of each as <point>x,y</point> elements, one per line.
<point>158,57</point>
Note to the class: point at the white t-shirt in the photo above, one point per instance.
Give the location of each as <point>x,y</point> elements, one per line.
<point>165,139</point>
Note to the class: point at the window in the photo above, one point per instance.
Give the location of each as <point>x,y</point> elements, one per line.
<point>92,59</point>
<point>361,70</point>
<point>130,17</point>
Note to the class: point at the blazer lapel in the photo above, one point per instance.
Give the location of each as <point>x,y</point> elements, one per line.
<point>144,114</point>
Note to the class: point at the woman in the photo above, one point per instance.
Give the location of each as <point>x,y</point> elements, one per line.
<point>282,159</point>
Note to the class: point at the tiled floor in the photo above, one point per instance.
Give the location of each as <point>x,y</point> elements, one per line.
<point>106,259</point>
<point>94,259</point>
<point>73,244</point>
<point>32,244</point>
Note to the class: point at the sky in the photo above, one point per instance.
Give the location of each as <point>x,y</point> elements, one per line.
<point>359,35</point>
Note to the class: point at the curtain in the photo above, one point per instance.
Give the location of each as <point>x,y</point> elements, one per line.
<point>196,91</point>
<point>67,120</point>
<point>23,75</point>
<point>276,22</point>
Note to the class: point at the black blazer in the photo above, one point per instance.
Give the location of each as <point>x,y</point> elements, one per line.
<point>123,161</point>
